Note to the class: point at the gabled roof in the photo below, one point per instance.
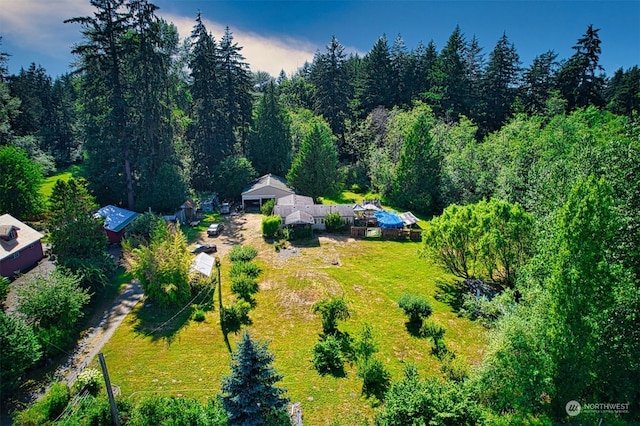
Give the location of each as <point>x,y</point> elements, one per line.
<point>268,180</point>
<point>294,199</point>
<point>299,218</point>
<point>203,263</point>
<point>26,236</point>
<point>116,218</point>
<point>315,210</point>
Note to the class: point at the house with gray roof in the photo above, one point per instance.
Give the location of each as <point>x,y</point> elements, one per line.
<point>298,213</point>
<point>267,187</point>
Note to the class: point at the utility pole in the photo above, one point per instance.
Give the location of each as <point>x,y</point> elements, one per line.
<point>107,382</point>
<point>222,326</point>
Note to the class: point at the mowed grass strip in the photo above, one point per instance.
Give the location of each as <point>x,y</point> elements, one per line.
<point>370,275</point>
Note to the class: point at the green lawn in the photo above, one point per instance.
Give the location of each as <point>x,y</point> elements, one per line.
<point>47,186</point>
<point>190,360</point>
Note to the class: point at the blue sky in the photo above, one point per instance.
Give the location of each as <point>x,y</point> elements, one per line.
<point>283,34</point>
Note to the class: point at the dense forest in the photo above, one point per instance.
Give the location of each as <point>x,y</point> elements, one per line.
<point>454,133</point>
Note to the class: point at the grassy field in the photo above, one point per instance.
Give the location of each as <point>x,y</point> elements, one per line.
<point>188,358</point>
<point>47,186</point>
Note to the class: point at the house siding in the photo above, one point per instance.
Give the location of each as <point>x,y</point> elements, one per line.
<point>26,258</point>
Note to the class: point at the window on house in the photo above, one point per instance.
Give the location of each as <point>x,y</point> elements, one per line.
<point>16,255</point>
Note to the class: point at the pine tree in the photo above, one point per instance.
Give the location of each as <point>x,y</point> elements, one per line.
<point>623,91</point>
<point>499,85</point>
<point>205,132</point>
<point>376,81</point>
<point>249,394</point>
<point>331,97</point>
<point>537,83</point>
<point>270,142</point>
<point>452,77</point>
<point>235,93</point>
<point>314,171</point>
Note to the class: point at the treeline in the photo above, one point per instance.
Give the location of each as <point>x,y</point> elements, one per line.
<point>154,119</point>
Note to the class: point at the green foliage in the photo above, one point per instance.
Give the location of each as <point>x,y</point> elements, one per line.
<point>487,239</point>
<point>235,316</point>
<point>432,330</point>
<point>232,175</point>
<point>415,307</point>
<point>198,315</point>
<point>375,377</point>
<point>47,409</point>
<point>140,231</point>
<point>455,368</point>
<point>244,286</point>
<point>271,225</point>
<point>52,304</point>
<point>90,379</point>
<point>267,207</point>
<point>4,289</point>
<point>162,266</point>
<point>248,269</point>
<point>333,222</point>
<point>331,310</point>
<point>413,400</point>
<point>249,394</point>
<point>163,410</point>
<point>20,180</point>
<point>365,346</point>
<point>314,170</point>
<point>327,356</point>
<point>77,237</point>
<point>19,350</point>
<point>242,253</point>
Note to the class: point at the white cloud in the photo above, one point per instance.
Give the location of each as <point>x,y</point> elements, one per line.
<point>39,24</point>
<point>263,53</point>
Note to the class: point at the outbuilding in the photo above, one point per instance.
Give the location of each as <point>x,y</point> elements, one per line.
<point>20,246</point>
<point>267,187</point>
<point>116,220</point>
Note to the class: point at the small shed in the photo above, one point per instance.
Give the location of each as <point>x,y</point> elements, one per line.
<point>408,219</point>
<point>116,220</point>
<point>20,246</point>
<point>203,264</point>
<point>267,187</point>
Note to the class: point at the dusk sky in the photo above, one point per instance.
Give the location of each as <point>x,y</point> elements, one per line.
<point>278,35</point>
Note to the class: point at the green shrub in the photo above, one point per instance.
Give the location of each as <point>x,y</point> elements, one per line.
<point>250,269</point>
<point>198,315</point>
<point>432,330</point>
<point>19,350</point>
<point>235,316</point>
<point>375,378</point>
<point>415,307</point>
<point>271,225</point>
<point>454,368</point>
<point>327,356</point>
<point>242,253</point>
<point>333,222</point>
<point>90,379</point>
<point>244,286</point>
<point>331,310</point>
<point>267,207</point>
<point>4,288</point>
<point>47,409</point>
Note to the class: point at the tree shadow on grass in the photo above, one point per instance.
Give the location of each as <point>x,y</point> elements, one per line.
<point>161,323</point>
<point>414,328</point>
<point>451,293</point>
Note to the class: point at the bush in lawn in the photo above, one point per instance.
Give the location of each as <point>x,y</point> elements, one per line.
<point>164,410</point>
<point>244,286</point>
<point>198,315</point>
<point>327,356</point>
<point>47,409</point>
<point>333,222</point>
<point>242,253</point>
<point>331,310</point>
<point>249,269</point>
<point>90,379</point>
<point>455,368</point>
<point>235,316</point>
<point>271,225</point>
<point>432,330</point>
<point>267,207</point>
<point>415,307</point>
<point>375,377</point>
<point>19,350</point>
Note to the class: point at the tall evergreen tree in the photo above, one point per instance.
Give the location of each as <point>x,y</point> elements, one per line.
<point>208,146</point>
<point>249,394</point>
<point>376,80</point>
<point>59,136</point>
<point>33,88</point>
<point>20,180</point>
<point>537,83</point>
<point>402,64</point>
<point>331,97</point>
<point>499,84</point>
<point>235,93</point>
<point>577,79</point>
<point>623,91</point>
<point>107,134</point>
<point>270,142</point>
<point>453,77</point>
<point>314,171</point>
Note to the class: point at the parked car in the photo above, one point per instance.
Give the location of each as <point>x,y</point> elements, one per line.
<point>225,208</point>
<point>215,229</point>
<point>204,248</point>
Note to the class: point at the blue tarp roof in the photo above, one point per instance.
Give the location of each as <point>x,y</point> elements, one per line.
<point>388,220</point>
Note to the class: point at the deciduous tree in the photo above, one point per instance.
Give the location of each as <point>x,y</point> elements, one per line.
<point>20,180</point>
